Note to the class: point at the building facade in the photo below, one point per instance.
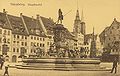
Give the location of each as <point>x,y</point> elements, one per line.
<point>110,38</point>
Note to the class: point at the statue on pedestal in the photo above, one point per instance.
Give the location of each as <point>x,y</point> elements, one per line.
<point>60,16</point>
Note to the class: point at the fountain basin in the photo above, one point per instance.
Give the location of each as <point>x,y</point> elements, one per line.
<point>64,64</point>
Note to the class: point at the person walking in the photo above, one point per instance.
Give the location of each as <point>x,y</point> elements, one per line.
<point>6,71</point>
<point>2,63</point>
<point>114,65</point>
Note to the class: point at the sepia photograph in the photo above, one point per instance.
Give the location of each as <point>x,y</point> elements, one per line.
<point>59,37</point>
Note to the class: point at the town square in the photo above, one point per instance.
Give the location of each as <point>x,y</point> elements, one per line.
<point>60,38</point>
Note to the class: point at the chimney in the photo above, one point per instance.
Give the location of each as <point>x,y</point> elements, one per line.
<point>4,11</point>
<point>38,16</point>
<point>21,14</point>
<point>115,19</point>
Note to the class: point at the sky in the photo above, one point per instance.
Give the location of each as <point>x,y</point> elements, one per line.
<point>97,13</point>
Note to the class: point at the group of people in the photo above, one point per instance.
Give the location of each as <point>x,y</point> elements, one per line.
<point>6,66</point>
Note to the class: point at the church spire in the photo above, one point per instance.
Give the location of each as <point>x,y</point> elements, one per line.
<point>77,15</point>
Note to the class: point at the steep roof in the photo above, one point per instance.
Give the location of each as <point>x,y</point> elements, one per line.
<point>48,24</point>
<point>33,26</point>
<point>87,37</point>
<point>102,34</point>
<point>4,22</point>
<point>17,25</point>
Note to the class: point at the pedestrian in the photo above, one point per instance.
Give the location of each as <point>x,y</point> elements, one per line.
<point>114,65</point>
<point>2,62</point>
<point>6,71</point>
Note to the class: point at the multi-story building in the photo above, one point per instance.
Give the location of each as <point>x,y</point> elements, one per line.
<point>5,35</point>
<point>20,36</point>
<point>88,43</point>
<point>47,25</point>
<point>37,37</point>
<point>110,38</point>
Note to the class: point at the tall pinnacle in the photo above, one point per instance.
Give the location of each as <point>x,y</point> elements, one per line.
<point>93,34</point>
<point>82,16</point>
<point>77,15</point>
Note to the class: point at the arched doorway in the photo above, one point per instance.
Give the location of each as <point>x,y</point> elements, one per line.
<point>14,58</point>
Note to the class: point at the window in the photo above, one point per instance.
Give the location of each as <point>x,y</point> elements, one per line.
<point>25,51</point>
<point>25,43</point>
<point>37,44</point>
<point>31,50</point>
<point>17,42</point>
<point>34,51</point>
<point>40,44</point>
<point>113,50</point>
<point>5,32</point>
<point>40,39</point>
<point>43,45</point>
<point>43,39</point>
<point>18,36</point>
<point>50,43</point>
<point>22,43</point>
<point>25,37</point>
<point>22,37</point>
<point>34,38</point>
<point>18,50</point>
<point>31,37</point>
<point>37,38</point>
<point>109,38</point>
<point>13,49</point>
<point>50,37</point>
<point>14,41</point>
<point>8,32</point>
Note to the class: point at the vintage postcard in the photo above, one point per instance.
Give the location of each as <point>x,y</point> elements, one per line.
<point>59,37</point>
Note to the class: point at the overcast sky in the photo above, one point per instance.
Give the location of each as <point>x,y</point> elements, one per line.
<point>97,13</point>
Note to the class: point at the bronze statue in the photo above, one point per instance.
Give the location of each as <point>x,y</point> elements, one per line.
<point>60,16</point>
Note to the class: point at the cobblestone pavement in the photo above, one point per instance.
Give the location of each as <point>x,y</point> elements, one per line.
<point>23,72</point>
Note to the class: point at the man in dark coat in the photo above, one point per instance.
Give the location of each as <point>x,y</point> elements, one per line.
<point>6,71</point>
<point>114,65</point>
